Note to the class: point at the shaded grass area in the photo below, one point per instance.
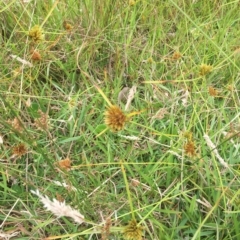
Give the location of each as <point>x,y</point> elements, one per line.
<point>183,57</point>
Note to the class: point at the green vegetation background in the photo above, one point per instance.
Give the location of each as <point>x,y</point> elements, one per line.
<point>50,110</point>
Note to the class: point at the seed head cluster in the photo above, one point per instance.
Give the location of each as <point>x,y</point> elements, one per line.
<point>190,148</point>
<point>212,91</point>
<point>115,119</point>
<point>133,231</point>
<point>19,150</point>
<point>67,26</point>
<point>36,33</point>
<point>16,124</point>
<point>205,69</point>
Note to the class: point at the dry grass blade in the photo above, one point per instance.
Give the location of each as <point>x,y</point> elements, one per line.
<point>131,94</point>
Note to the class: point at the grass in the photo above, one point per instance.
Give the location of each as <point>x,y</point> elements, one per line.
<point>182,56</point>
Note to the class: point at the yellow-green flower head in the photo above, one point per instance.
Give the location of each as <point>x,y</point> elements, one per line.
<point>36,33</point>
<point>133,231</point>
<point>205,69</point>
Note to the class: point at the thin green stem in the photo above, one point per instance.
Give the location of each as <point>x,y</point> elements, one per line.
<point>127,189</point>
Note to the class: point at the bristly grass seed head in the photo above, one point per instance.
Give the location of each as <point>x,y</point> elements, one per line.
<point>205,69</point>
<point>35,55</point>
<point>36,33</point>
<point>16,124</point>
<point>115,119</point>
<point>67,26</point>
<point>212,91</point>
<point>190,148</point>
<point>19,150</point>
<point>133,231</point>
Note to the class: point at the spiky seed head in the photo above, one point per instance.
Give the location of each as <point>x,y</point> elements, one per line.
<point>36,56</point>
<point>19,150</point>
<point>205,69</point>
<point>64,164</point>
<point>115,119</point>
<point>212,91</point>
<point>133,231</point>
<point>176,55</point>
<point>67,26</point>
<point>190,148</point>
<point>36,33</point>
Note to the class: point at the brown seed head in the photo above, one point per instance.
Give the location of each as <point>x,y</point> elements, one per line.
<point>64,164</point>
<point>16,124</point>
<point>106,229</point>
<point>67,26</point>
<point>36,56</point>
<point>212,91</point>
<point>115,119</point>
<point>59,197</point>
<point>19,150</point>
<point>176,55</point>
<point>189,148</point>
